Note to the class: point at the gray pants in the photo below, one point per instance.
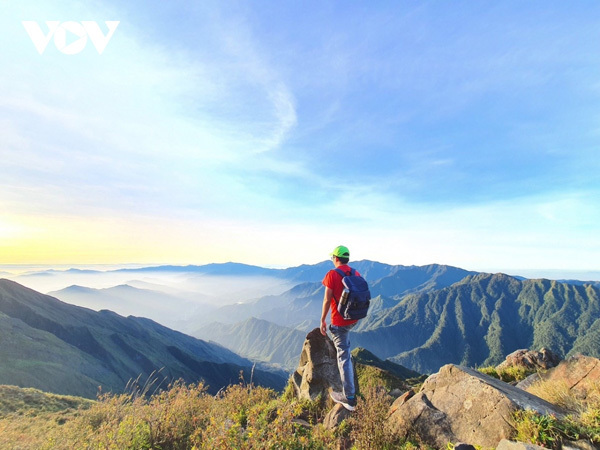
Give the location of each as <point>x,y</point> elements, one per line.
<point>341,340</point>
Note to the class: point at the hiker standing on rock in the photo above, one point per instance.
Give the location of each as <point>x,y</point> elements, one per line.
<point>340,327</point>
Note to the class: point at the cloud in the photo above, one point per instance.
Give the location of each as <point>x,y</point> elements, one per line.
<point>138,125</point>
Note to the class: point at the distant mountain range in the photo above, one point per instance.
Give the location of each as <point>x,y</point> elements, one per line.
<point>421,317</point>
<point>425,317</point>
<point>66,349</point>
<point>166,308</point>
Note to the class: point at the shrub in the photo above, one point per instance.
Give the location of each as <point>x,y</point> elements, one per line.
<point>165,420</point>
<point>509,374</point>
<point>369,428</point>
<point>549,431</point>
<point>186,417</point>
<point>538,429</point>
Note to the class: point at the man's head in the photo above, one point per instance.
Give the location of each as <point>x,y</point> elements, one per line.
<point>341,253</point>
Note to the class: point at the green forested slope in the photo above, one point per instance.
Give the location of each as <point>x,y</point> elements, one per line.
<point>61,348</point>
<point>259,340</point>
<point>481,319</point>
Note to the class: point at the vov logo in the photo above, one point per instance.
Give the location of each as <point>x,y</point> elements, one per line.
<point>61,31</point>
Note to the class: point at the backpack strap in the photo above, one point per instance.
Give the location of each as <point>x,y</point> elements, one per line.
<point>343,274</point>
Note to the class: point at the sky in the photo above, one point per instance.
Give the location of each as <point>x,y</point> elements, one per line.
<point>413,132</point>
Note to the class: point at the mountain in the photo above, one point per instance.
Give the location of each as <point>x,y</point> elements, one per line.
<point>259,340</point>
<point>57,347</point>
<point>421,316</point>
<point>300,306</point>
<point>128,300</point>
<point>481,319</point>
<point>371,371</point>
<point>404,280</point>
<point>229,269</point>
<point>219,285</point>
<point>289,309</point>
<point>371,270</point>
<point>581,283</point>
<point>366,358</point>
<point>286,318</point>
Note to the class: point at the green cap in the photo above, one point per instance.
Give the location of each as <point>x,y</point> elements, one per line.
<point>341,252</point>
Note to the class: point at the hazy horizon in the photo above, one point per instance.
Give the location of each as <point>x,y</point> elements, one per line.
<point>554,274</point>
<point>182,299</point>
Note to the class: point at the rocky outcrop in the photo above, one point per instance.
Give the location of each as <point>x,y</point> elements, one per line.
<point>579,373</point>
<point>531,360</point>
<point>335,416</point>
<point>317,370</point>
<point>459,404</point>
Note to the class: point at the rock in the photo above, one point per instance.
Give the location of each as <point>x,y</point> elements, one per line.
<point>579,445</point>
<point>529,381</point>
<point>317,370</point>
<point>580,373</point>
<point>419,417</point>
<point>459,404</point>
<point>531,359</point>
<point>334,417</point>
<point>395,393</point>
<point>402,400</point>
<point>462,446</point>
<point>512,445</point>
<point>303,423</point>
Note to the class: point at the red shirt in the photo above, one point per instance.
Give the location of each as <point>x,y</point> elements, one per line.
<point>333,280</point>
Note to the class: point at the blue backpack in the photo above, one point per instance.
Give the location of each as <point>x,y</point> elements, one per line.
<point>356,297</point>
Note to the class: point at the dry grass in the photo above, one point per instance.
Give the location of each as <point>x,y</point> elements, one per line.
<point>583,421</point>
<point>186,417</point>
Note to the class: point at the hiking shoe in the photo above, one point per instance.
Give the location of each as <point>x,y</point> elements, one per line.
<point>348,403</point>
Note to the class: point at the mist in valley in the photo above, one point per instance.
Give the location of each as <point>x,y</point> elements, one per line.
<point>172,297</point>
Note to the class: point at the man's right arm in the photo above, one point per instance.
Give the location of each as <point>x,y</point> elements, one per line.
<point>326,305</point>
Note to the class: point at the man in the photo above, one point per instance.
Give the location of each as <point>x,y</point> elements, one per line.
<point>340,328</point>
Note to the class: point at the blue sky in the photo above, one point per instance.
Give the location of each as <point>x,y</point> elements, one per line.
<point>461,133</point>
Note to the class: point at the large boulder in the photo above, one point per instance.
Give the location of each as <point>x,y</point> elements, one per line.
<point>317,370</point>
<point>579,373</point>
<point>459,404</point>
<point>531,359</point>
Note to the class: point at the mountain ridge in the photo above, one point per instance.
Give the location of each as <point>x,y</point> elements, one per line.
<point>85,349</point>
<point>481,319</point>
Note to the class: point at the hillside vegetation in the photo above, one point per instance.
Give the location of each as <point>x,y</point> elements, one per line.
<point>483,318</point>
<point>248,417</point>
<point>425,317</point>
<point>28,415</point>
<point>61,348</point>
<point>187,417</point>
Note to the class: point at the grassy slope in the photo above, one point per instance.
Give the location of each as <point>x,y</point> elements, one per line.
<point>28,415</point>
<point>68,349</point>
<point>31,402</point>
<point>35,358</point>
